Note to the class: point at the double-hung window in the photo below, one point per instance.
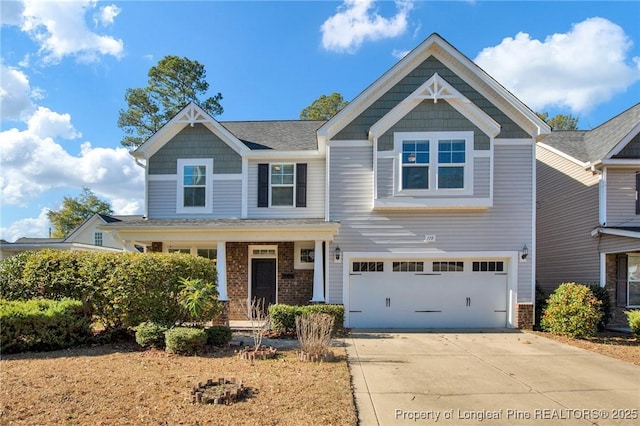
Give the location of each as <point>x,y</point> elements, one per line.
<point>282,184</point>
<point>194,181</point>
<point>434,162</point>
<point>633,280</point>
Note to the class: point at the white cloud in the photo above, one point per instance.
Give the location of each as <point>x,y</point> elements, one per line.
<point>578,69</point>
<point>399,54</point>
<point>15,94</point>
<point>34,162</point>
<point>357,21</point>
<point>107,15</point>
<point>27,227</point>
<point>60,28</point>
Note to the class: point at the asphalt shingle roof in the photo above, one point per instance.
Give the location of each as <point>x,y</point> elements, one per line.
<point>282,135</point>
<point>593,145</point>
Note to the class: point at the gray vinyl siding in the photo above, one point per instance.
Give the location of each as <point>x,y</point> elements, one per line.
<point>315,194</point>
<point>481,178</point>
<point>504,227</point>
<point>632,150</point>
<point>358,129</point>
<point>227,200</point>
<point>618,244</point>
<point>567,200</point>
<point>195,142</point>
<point>433,117</point>
<point>621,197</point>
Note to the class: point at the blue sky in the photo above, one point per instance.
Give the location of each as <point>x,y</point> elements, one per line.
<point>65,67</point>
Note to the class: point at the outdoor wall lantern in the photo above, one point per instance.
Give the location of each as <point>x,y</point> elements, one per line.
<point>524,253</point>
<point>337,254</point>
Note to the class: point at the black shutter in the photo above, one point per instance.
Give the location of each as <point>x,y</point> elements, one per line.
<point>621,280</point>
<point>263,185</point>
<point>301,185</point>
<point>637,192</point>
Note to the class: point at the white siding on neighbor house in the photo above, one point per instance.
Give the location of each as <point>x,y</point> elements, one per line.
<point>621,197</point>
<point>567,200</point>
<point>505,227</point>
<point>315,193</point>
<point>87,236</point>
<point>227,200</point>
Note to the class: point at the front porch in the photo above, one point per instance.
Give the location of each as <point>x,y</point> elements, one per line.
<point>280,261</point>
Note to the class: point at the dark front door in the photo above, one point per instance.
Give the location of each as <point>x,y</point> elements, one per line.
<point>263,280</point>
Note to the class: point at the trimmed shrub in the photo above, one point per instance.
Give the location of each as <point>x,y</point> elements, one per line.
<point>185,340</point>
<point>124,289</point>
<point>604,297</point>
<point>634,321</point>
<point>283,317</point>
<point>151,335</point>
<point>42,325</point>
<point>218,335</point>
<point>573,311</point>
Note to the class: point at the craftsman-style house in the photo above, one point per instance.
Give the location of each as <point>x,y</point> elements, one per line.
<point>414,206</point>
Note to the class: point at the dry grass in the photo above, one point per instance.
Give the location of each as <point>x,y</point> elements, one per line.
<point>117,385</point>
<point>622,346</point>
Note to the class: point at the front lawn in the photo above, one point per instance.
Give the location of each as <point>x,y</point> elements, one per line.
<point>117,384</point>
<point>622,346</point>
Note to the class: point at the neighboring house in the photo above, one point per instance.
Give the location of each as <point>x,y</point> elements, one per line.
<point>86,237</point>
<point>589,211</point>
<point>413,206</point>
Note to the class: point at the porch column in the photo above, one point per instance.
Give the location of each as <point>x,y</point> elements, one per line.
<point>221,266</point>
<point>318,274</point>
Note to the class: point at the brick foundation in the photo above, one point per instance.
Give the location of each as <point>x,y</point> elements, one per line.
<point>524,316</point>
<point>294,286</point>
<point>223,318</point>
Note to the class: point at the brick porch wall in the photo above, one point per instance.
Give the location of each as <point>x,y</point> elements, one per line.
<point>524,316</point>
<point>297,290</point>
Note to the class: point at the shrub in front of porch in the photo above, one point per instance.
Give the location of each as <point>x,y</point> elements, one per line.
<point>573,311</point>
<point>123,289</point>
<point>283,317</point>
<point>634,321</point>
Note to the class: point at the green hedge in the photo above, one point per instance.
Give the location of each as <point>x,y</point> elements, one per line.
<point>185,340</point>
<point>123,289</point>
<point>42,325</point>
<point>151,335</point>
<point>218,335</point>
<point>283,317</point>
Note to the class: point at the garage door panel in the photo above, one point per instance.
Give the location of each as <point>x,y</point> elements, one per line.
<point>459,298</point>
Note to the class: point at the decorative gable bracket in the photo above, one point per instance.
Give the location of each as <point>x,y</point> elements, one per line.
<point>192,115</point>
<point>434,89</point>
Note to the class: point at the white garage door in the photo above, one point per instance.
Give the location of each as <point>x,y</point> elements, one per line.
<point>428,294</point>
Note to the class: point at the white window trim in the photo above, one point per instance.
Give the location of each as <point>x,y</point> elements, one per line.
<point>284,185</point>
<point>433,138</point>
<point>298,246</point>
<point>208,198</point>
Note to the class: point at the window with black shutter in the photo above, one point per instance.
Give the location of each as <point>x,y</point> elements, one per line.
<point>301,185</point>
<point>637,191</point>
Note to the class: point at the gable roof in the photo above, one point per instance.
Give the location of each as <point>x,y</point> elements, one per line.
<point>601,143</point>
<point>473,75</point>
<point>283,135</point>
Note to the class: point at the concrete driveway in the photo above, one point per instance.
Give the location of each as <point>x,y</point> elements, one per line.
<point>489,378</point>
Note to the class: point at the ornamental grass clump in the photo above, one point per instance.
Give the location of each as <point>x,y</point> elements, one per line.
<point>573,311</point>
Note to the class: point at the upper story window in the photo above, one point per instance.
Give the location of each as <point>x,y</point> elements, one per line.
<point>194,179</point>
<point>637,193</point>
<point>97,239</point>
<point>434,162</point>
<point>282,185</point>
